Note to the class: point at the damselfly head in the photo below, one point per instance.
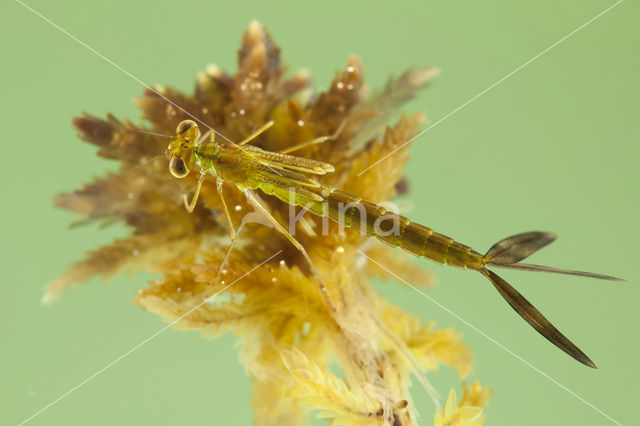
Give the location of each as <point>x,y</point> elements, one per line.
<point>180,149</point>
<point>187,133</point>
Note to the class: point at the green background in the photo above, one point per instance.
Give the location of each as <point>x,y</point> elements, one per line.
<point>553,147</point>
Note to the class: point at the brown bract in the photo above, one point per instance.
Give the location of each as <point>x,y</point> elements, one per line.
<point>289,334</point>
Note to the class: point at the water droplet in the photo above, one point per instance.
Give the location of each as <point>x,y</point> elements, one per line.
<point>340,249</point>
<point>350,69</point>
<point>135,252</point>
<point>238,208</point>
<point>274,279</point>
<point>233,114</point>
<point>283,263</point>
<point>242,112</point>
<point>306,328</point>
<point>350,86</point>
<point>340,85</point>
<point>179,289</point>
<point>300,123</point>
<point>131,195</point>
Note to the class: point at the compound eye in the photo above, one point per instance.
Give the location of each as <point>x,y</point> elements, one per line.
<point>185,125</point>
<point>177,167</point>
<point>188,129</point>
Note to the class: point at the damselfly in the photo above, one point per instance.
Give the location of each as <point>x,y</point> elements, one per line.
<point>293,180</point>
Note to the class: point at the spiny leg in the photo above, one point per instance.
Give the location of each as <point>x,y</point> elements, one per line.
<point>257,133</point>
<point>190,206</point>
<point>232,231</point>
<point>257,204</point>
<point>316,141</point>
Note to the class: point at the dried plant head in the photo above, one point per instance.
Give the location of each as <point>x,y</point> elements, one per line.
<point>289,335</point>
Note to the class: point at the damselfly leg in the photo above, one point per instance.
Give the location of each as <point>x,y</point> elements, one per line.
<point>190,206</point>
<point>316,141</point>
<point>232,231</point>
<point>257,203</point>
<point>257,133</point>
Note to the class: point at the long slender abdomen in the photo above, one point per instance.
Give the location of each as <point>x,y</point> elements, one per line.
<point>394,230</point>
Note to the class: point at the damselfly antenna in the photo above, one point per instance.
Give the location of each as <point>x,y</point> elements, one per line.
<point>152,159</point>
<point>147,132</point>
